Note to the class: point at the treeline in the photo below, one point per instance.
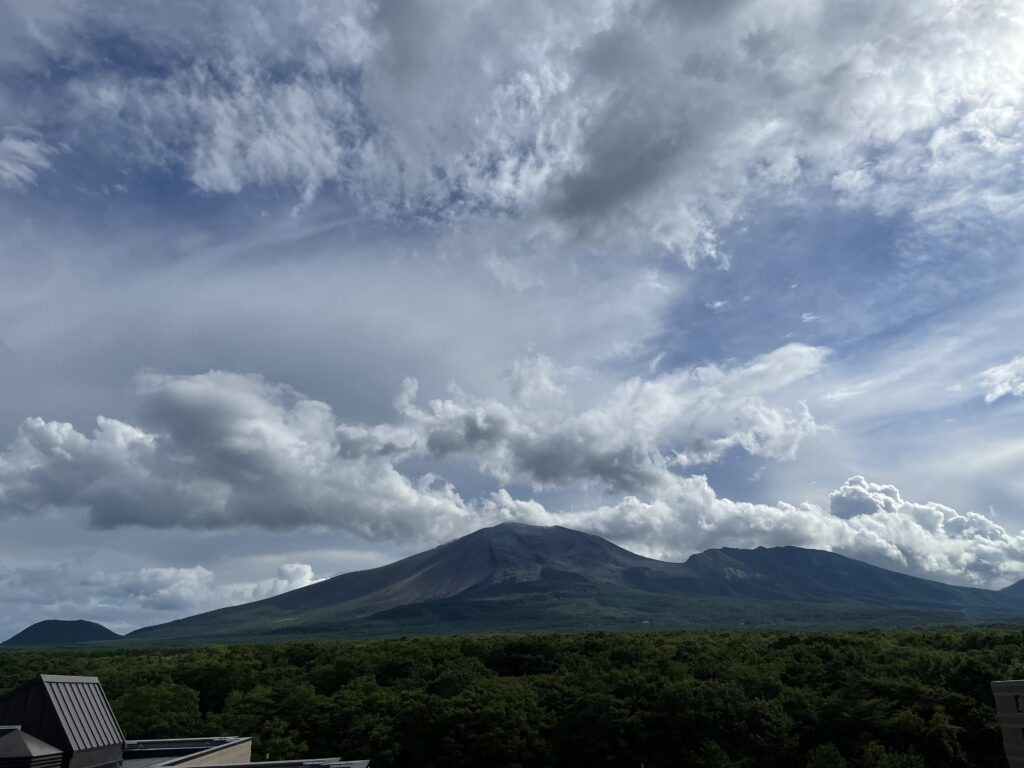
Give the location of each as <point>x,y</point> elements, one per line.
<point>884,699</point>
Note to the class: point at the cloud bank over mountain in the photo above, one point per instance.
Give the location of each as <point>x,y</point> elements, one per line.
<point>223,450</point>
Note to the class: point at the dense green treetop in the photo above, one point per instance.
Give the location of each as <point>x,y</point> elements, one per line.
<point>868,699</point>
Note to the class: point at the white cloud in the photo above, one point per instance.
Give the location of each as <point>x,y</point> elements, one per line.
<point>929,538</point>
<point>22,157</point>
<point>227,449</point>
<point>222,450</point>
<point>537,381</point>
<point>166,589</point>
<point>623,121</point>
<point>289,576</point>
<point>85,588</point>
<point>697,413</point>
<point>865,520</point>
<point>1003,380</point>
<point>118,599</point>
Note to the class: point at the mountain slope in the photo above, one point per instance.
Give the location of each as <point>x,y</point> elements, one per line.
<point>504,554</point>
<point>797,573</point>
<point>515,577</point>
<point>57,632</point>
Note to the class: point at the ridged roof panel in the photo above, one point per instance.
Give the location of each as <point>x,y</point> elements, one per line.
<point>84,711</point>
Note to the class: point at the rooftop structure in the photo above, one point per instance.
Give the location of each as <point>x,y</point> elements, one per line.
<point>56,721</point>
<point>69,713</point>
<point>23,750</point>
<point>214,750</point>
<point>1009,696</point>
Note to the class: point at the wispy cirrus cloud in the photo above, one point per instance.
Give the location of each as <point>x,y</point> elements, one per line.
<point>23,156</point>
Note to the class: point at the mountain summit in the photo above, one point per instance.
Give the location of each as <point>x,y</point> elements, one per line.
<point>502,556</point>
<point>515,577</point>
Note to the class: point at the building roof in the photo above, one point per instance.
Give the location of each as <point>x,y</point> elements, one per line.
<point>141,753</point>
<point>84,711</point>
<point>72,714</point>
<point>14,742</point>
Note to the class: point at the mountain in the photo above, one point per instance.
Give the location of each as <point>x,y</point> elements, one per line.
<point>1016,589</point>
<point>467,568</point>
<point>57,632</point>
<point>797,573</point>
<point>515,577</point>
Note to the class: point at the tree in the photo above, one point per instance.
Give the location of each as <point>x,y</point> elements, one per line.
<point>162,711</point>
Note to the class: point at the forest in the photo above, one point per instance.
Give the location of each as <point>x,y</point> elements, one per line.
<point>868,699</point>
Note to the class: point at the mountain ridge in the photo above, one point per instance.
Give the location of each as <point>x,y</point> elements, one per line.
<point>517,577</point>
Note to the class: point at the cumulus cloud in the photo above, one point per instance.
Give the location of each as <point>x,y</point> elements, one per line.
<point>537,381</point>
<point>222,449</point>
<point>225,449</point>
<point>644,119</point>
<point>865,520</point>
<point>79,585</point>
<point>166,589</point>
<point>1003,380</point>
<point>697,413</point>
<point>289,576</point>
<point>927,538</point>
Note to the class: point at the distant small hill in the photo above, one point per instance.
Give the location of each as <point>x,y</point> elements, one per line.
<point>58,632</point>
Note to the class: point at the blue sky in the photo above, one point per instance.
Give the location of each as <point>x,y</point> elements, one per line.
<point>288,289</point>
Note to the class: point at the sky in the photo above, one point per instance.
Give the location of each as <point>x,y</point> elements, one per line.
<point>290,289</point>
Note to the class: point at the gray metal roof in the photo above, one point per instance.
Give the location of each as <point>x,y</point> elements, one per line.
<point>15,742</point>
<point>82,707</point>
